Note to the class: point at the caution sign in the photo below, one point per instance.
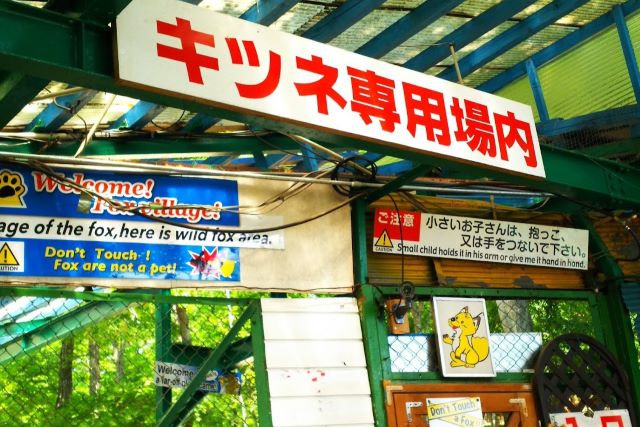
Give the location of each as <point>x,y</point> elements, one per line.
<point>395,231</point>
<point>461,412</point>
<point>12,257</point>
<point>384,240</point>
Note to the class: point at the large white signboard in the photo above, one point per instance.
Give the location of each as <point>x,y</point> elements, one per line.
<point>475,239</point>
<point>193,52</point>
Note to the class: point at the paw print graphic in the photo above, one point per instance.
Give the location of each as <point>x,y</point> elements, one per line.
<point>12,189</point>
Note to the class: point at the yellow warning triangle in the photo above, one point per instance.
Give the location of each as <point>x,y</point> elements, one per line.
<point>384,240</point>
<point>6,256</point>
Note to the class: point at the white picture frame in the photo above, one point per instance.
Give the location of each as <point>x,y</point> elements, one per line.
<point>463,337</point>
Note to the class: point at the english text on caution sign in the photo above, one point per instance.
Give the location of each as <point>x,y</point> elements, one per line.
<point>460,412</point>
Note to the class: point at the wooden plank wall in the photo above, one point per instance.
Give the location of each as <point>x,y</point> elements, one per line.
<point>387,269</point>
<point>315,363</point>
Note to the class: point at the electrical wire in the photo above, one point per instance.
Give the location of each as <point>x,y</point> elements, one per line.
<point>141,167</point>
<point>635,238</point>
<point>138,210</point>
<point>274,201</point>
<point>369,175</point>
<point>72,111</point>
<point>89,135</point>
<point>317,156</point>
<point>279,198</point>
<point>172,124</point>
<point>400,227</point>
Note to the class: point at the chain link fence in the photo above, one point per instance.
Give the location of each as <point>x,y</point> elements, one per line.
<point>73,362</point>
<point>519,328</point>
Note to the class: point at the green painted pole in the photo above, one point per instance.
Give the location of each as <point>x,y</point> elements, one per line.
<point>163,348</point>
<point>260,366</point>
<point>373,327</point>
<point>614,315</point>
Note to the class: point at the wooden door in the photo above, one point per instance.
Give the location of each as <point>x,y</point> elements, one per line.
<point>503,405</point>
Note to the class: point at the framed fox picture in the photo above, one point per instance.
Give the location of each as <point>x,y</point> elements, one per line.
<point>462,337</point>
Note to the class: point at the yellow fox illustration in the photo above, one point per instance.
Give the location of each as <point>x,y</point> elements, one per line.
<point>470,350</point>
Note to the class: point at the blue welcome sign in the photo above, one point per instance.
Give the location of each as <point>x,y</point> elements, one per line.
<point>83,225</point>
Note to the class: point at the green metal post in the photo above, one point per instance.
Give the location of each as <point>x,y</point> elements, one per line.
<point>597,316</point>
<point>163,347</point>
<point>260,366</point>
<point>404,179</point>
<point>373,327</point>
<point>359,231</point>
<point>618,333</point>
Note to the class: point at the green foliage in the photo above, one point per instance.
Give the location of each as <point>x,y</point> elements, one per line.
<point>126,401</point>
<point>493,316</point>
<point>126,393</point>
<point>558,317</point>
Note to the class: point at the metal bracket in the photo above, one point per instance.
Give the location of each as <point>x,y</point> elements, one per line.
<point>409,406</point>
<point>522,403</point>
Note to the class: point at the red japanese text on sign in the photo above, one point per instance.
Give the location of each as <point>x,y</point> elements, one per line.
<point>398,224</point>
<point>202,54</point>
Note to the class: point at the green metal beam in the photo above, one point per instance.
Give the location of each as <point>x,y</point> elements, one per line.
<point>260,368</point>
<point>16,90</point>
<point>374,331</point>
<point>59,328</point>
<point>514,293</point>
<point>100,11</point>
<point>613,149</point>
<point>79,52</point>
<point>72,50</point>
<point>603,183</point>
<point>172,416</point>
<point>121,296</point>
<point>404,179</point>
<point>374,335</point>
<point>237,352</point>
<point>14,328</point>
<point>195,356</point>
<point>598,183</point>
